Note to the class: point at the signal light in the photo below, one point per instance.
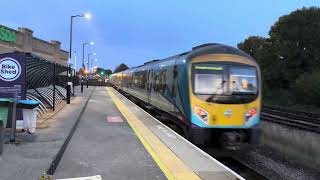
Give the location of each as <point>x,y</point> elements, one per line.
<point>202,114</point>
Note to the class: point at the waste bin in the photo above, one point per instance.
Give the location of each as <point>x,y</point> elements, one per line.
<point>4,107</point>
<point>29,113</point>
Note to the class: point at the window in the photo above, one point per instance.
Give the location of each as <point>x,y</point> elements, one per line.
<point>208,84</point>
<point>243,80</point>
<point>139,79</point>
<point>208,79</point>
<point>160,81</point>
<point>226,79</point>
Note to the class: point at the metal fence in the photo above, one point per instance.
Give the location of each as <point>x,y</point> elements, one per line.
<point>46,82</point>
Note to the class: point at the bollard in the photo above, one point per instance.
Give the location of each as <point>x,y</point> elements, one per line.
<point>87,83</point>
<point>68,93</point>
<point>1,137</point>
<point>82,86</point>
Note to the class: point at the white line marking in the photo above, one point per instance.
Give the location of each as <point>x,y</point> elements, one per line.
<point>96,177</point>
<point>135,108</point>
<point>166,132</point>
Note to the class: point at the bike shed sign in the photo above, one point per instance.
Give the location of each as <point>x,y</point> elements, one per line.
<point>10,69</point>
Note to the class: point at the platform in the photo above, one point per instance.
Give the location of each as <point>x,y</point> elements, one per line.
<point>118,140</point>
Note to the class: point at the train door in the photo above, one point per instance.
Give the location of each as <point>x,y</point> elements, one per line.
<point>149,84</point>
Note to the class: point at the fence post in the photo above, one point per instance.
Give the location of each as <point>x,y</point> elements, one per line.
<point>73,81</point>
<point>54,87</point>
<point>1,137</point>
<point>68,93</point>
<point>82,84</point>
<point>87,82</point>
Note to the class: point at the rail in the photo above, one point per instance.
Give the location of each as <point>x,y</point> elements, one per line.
<point>297,119</point>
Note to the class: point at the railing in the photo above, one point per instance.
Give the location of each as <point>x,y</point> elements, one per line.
<point>47,81</point>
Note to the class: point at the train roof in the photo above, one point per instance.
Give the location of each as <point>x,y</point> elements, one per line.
<point>209,48</point>
<point>215,48</point>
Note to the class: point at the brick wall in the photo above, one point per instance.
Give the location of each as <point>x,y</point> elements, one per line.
<point>25,42</point>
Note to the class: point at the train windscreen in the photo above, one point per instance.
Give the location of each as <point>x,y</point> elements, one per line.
<point>236,81</point>
<point>243,80</point>
<point>208,79</point>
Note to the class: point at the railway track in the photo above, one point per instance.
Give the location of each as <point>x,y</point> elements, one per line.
<point>233,161</point>
<point>297,119</point>
<point>242,169</point>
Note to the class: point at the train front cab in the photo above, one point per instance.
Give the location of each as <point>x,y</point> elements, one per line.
<point>225,99</point>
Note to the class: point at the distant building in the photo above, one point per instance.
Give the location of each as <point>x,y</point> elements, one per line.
<point>22,40</point>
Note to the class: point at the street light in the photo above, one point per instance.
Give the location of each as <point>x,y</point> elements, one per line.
<point>89,54</point>
<point>83,45</point>
<point>75,60</point>
<point>86,16</point>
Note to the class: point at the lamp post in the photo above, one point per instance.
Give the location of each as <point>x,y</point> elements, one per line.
<point>85,15</point>
<point>83,46</point>
<point>88,62</point>
<point>75,60</point>
<point>95,60</point>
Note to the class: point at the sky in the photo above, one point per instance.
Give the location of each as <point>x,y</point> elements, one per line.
<point>133,32</point>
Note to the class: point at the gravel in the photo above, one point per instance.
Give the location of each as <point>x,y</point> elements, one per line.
<point>275,165</point>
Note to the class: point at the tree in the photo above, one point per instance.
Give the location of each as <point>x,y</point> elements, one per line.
<point>291,50</point>
<point>307,89</point>
<point>252,45</point>
<point>265,53</point>
<point>120,68</point>
<point>108,71</point>
<point>290,58</point>
<point>297,34</point>
<point>81,71</point>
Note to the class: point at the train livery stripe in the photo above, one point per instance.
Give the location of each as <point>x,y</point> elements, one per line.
<point>172,166</point>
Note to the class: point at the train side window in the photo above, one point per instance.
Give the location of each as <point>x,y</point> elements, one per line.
<point>156,81</point>
<point>143,79</point>
<point>140,79</point>
<point>163,82</point>
<point>160,81</point>
<point>135,79</point>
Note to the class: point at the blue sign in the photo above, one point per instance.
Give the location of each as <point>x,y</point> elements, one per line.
<point>12,76</point>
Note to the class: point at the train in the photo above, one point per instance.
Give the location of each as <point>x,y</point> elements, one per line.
<point>211,93</point>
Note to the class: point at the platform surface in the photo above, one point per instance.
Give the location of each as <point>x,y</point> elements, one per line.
<point>116,139</point>
<point>104,144</point>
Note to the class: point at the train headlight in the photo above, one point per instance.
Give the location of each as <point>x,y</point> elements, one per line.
<point>202,114</point>
<point>251,113</point>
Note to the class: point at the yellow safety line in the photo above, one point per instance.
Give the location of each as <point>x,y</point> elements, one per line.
<point>172,166</point>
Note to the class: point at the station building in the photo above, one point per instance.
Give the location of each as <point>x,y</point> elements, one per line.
<point>22,40</point>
